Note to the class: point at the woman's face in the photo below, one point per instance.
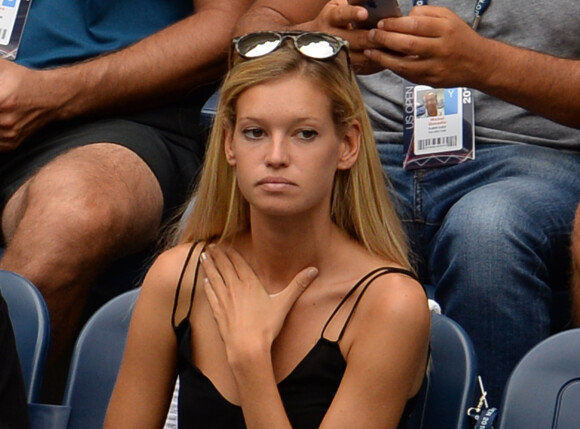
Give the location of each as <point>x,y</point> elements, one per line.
<point>285,147</point>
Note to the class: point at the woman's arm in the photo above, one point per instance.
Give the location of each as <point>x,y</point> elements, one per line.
<point>386,356</point>
<point>146,380</point>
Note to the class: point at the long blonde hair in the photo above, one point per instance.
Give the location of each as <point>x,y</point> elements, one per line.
<point>360,204</point>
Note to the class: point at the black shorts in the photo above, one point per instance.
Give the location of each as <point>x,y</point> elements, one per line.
<point>170,140</point>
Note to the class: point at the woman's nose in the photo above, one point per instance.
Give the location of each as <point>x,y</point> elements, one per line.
<point>277,155</point>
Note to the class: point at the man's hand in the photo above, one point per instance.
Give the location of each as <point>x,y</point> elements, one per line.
<point>27,102</point>
<point>432,46</point>
<point>340,18</point>
<point>336,17</point>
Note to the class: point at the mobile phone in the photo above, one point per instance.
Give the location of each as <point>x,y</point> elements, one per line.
<point>378,9</point>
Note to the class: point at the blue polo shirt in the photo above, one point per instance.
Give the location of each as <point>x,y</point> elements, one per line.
<point>59,32</point>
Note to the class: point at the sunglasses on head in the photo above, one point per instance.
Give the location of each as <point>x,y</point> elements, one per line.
<point>314,45</point>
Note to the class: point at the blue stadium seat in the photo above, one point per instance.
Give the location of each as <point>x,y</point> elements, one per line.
<point>96,361</point>
<point>209,110</point>
<point>449,389</point>
<point>31,323</point>
<point>95,364</point>
<point>543,390</point>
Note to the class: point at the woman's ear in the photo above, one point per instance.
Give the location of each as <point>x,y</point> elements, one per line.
<point>229,149</point>
<point>350,146</point>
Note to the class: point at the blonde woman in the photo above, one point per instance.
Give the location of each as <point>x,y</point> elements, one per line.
<point>289,300</point>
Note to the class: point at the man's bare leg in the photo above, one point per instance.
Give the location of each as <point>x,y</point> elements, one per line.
<point>86,208</point>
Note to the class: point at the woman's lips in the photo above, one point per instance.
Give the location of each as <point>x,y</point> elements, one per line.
<point>275,183</point>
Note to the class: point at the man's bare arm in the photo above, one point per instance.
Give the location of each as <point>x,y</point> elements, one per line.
<point>279,14</point>
<point>436,47</point>
<point>190,53</point>
<point>163,66</point>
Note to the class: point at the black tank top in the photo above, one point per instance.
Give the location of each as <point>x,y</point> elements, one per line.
<point>306,392</point>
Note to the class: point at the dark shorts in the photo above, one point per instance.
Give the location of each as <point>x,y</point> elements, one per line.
<point>170,140</point>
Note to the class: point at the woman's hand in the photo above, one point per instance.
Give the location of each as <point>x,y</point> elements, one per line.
<point>248,318</point>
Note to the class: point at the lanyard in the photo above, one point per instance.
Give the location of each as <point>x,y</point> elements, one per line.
<point>480,8</point>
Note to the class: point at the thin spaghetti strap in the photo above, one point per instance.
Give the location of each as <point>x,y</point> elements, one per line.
<point>180,281</point>
<point>383,271</point>
<point>349,293</point>
<point>195,281</point>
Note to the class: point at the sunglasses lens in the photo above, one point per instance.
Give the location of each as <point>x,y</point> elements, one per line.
<point>257,44</point>
<point>318,46</point>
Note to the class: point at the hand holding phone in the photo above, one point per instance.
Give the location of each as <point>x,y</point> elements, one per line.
<point>377,9</point>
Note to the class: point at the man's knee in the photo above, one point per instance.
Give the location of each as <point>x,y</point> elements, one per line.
<point>504,239</point>
<point>516,213</point>
<point>478,224</point>
<point>79,202</point>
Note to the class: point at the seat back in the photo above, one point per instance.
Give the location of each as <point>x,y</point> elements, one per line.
<point>31,324</point>
<point>209,110</point>
<point>543,390</point>
<point>449,388</point>
<point>96,361</point>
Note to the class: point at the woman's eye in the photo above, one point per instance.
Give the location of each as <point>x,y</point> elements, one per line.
<point>253,133</point>
<point>307,134</point>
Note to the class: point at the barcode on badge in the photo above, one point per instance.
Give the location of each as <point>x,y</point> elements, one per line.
<point>448,143</point>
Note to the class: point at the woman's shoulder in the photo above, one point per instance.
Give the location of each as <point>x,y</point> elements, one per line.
<point>167,268</point>
<point>170,260</point>
<point>174,256</point>
<point>395,295</point>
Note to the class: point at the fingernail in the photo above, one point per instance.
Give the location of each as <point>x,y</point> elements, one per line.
<point>203,256</point>
<point>312,272</point>
<point>372,34</point>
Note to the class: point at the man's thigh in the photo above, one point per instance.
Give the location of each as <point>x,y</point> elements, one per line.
<point>543,182</point>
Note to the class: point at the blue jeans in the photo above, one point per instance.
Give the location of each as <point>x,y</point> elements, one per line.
<point>492,236</point>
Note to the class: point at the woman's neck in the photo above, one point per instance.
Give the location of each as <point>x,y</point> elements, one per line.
<point>278,249</point>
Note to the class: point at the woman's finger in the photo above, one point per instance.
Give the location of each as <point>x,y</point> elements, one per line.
<point>223,264</point>
<point>296,287</point>
<point>213,276</point>
<point>242,268</point>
